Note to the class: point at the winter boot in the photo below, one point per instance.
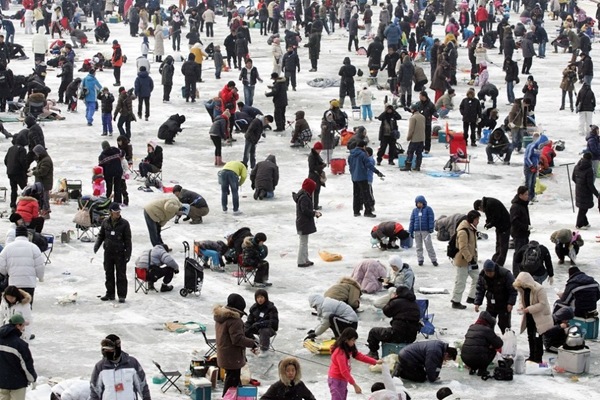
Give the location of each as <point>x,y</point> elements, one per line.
<point>166,288</point>
<point>220,162</point>
<point>418,165</point>
<point>408,100</point>
<point>403,101</point>
<point>407,166</point>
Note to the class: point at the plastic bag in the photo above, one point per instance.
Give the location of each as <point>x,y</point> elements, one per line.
<point>245,375</point>
<point>533,368</point>
<point>327,256</point>
<point>509,349</point>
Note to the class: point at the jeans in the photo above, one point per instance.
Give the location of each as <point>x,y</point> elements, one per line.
<point>530,181</point>
<point>250,153</point>
<point>542,50</point>
<point>415,149</point>
<point>443,112</point>
<point>153,230</point>
<point>367,112</point>
<point>248,95</point>
<point>90,109</point>
<point>588,79</point>
<point>107,123</point>
<point>213,255</point>
<point>229,181</point>
<point>517,138</point>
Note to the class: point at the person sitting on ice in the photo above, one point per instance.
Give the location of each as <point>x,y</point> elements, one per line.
<point>386,390</point>
<point>401,274</point>
<point>159,264</point>
<point>391,231</point>
<point>290,385</point>
<point>334,314</point>
<point>498,144</point>
<point>209,249</point>
<point>263,320</point>
<point>254,253</point>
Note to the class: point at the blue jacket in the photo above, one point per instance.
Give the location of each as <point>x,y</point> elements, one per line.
<point>593,146</point>
<point>92,85</point>
<point>359,164</point>
<point>370,172</point>
<point>392,33</point>
<point>17,370</point>
<point>428,356</point>
<point>533,152</point>
<point>144,85</point>
<point>421,219</point>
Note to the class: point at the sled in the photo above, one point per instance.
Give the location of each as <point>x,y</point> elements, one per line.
<point>320,347</point>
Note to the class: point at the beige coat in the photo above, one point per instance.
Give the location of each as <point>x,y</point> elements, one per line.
<point>346,290</point>
<point>539,307</point>
<point>416,128</point>
<point>466,242</point>
<point>162,210</point>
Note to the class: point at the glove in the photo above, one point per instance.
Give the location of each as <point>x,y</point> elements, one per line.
<point>511,125</point>
<point>311,335</point>
<point>551,281</point>
<point>379,174</point>
<point>533,169</point>
<point>380,279</point>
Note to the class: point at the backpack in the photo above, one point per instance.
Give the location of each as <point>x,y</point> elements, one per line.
<point>452,249</point>
<point>532,258</point>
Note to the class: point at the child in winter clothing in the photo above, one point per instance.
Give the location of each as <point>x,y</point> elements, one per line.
<point>290,384</point>
<point>218,59</point>
<point>339,374</point>
<point>421,227</point>
<point>365,97</point>
<point>567,244</point>
<point>371,161</point>
<point>213,250</point>
<point>71,95</point>
<point>263,320</point>
<point>106,100</point>
<point>16,301</point>
<point>145,48</point>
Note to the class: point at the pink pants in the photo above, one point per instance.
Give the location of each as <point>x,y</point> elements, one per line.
<point>338,389</point>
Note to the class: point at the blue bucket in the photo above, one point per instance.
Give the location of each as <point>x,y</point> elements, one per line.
<point>485,136</point>
<point>402,160</point>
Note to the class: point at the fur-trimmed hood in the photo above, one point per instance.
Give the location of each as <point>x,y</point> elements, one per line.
<point>525,281</point>
<point>222,313</point>
<point>283,365</point>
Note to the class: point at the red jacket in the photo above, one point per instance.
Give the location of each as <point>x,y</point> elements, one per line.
<point>229,99</point>
<point>29,208</point>
<point>481,15</point>
<point>340,365</point>
<point>117,56</point>
<point>27,4</point>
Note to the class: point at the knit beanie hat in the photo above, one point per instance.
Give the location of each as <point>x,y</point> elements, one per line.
<point>16,319</point>
<point>260,237</point>
<point>318,146</point>
<point>489,265</point>
<point>309,186</point>
<point>21,231</point>
<point>39,150</point>
<point>14,218</point>
<point>236,301</point>
<point>105,145</point>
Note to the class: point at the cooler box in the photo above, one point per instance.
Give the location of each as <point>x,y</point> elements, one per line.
<point>402,160</point>
<point>338,166</point>
<point>574,361</point>
<point>113,20</point>
<point>392,348</point>
<point>442,136</point>
<point>200,389</point>
<point>406,243</point>
<point>527,140</point>
<point>589,325</point>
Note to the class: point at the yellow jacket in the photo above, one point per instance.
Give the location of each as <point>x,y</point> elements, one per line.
<point>196,50</point>
<point>239,169</point>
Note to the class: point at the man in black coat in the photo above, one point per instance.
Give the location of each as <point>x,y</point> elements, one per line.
<point>265,178</point>
<point>496,285</point>
<point>585,190</point>
<point>110,161</point>
<point>582,292</point>
<point>347,73</point>
<point>115,237</point>
<point>170,128</point>
<point>35,137</point>
<point>497,216</point>
<point>263,320</point>
<point>405,314</point>
<point>422,361</point>
<point>7,82</point>
<point>198,205</point>
<point>428,110</point>
<point>16,363</point>
<point>520,223</point>
<point>481,344</point>
<point>374,53</point>
<point>191,72</point>
<point>470,109</point>
<point>279,94</point>
<point>16,165</point>
<point>253,134</point>
<point>290,64</point>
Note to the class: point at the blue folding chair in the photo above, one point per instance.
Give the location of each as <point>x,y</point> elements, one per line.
<point>247,391</point>
<point>427,327</point>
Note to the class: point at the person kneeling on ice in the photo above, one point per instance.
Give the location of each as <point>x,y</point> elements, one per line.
<point>254,253</point>
<point>334,314</point>
<point>263,320</point>
<point>401,275</point>
<point>170,128</point>
<point>213,250</point>
<point>198,206</point>
<point>159,264</point>
<point>390,230</point>
<point>481,344</point>
<point>405,325</point>
<point>289,385</point>
<point>422,361</point>
<point>386,390</point>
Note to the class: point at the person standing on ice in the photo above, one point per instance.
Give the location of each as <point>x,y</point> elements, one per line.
<point>305,219</point>
<point>90,86</point>
<point>465,259</point>
<point>16,362</point>
<point>585,105</point>
<point>421,228</point>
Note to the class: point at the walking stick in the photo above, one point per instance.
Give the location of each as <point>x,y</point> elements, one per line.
<point>569,179</point>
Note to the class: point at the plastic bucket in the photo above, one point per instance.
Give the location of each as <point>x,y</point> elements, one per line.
<point>527,140</point>
<point>485,136</point>
<point>338,166</point>
<point>402,161</point>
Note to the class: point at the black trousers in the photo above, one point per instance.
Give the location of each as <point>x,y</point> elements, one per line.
<point>61,91</point>
<point>232,379</point>
<point>209,29</point>
<point>352,38</point>
<point>133,29</point>
<point>124,192</point>
<point>478,360</point>
<point>500,312</point>
<point>414,373</point>
<point>388,335</point>
<point>114,182</point>
<point>466,126</point>
<point>124,120</point>
<point>502,240</point>
<point>383,145</point>
<point>536,343</point>
<point>167,92</point>
<point>15,182</point>
<point>117,74</point>
<point>338,324</point>
<point>157,272</point>
<point>527,61</point>
<point>142,101</point>
<point>262,272</point>
<point>37,224</point>
<point>562,250</point>
<point>316,194</point>
<point>291,78</point>
<point>190,89</point>
<point>427,147</point>
<point>279,116</point>
<point>217,142</point>
<point>519,242</point>
<point>361,195</point>
<point>30,291</point>
<point>176,38</point>
<point>115,266</point>
<point>582,217</point>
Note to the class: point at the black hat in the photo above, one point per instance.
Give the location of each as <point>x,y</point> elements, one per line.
<point>573,271</point>
<point>274,75</point>
<point>114,207</point>
<point>15,217</point>
<point>21,231</point>
<point>177,188</point>
<point>260,237</point>
<point>111,347</point>
<point>115,41</point>
<point>236,301</point>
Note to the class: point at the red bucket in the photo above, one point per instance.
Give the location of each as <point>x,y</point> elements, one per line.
<point>168,189</point>
<point>338,166</point>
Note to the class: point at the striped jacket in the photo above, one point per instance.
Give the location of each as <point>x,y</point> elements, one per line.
<point>127,375</point>
<point>16,363</point>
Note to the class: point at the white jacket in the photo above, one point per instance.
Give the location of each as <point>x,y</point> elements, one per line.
<point>39,43</point>
<point>208,15</point>
<point>365,97</point>
<point>22,261</point>
<point>7,310</point>
<point>10,234</point>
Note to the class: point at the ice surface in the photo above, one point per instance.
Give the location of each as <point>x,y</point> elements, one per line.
<point>68,336</point>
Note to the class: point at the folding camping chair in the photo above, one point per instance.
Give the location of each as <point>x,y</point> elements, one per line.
<point>245,273</point>
<point>247,392</point>
<point>211,343</point>
<point>458,152</point>
<point>48,252</point>
<point>426,319</point>
<point>171,376</point>
<point>141,280</point>
<point>74,188</point>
